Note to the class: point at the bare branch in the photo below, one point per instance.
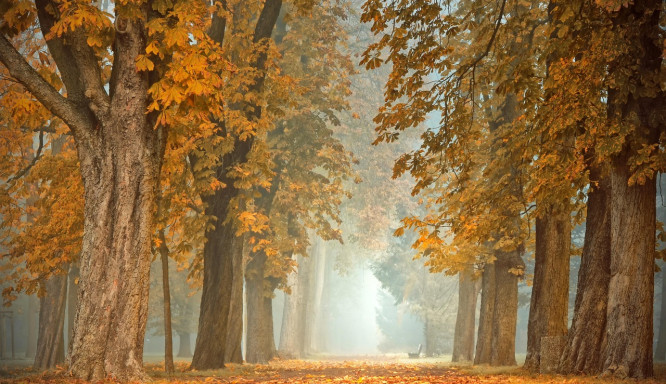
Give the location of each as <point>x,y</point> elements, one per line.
<point>489,46</point>
<point>37,156</point>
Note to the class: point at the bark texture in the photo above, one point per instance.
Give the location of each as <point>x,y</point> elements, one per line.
<point>585,340</point>
<point>50,339</point>
<point>549,302</point>
<point>463,339</point>
<point>551,350</point>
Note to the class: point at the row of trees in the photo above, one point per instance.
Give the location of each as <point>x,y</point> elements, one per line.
<point>541,115</point>
<point>201,134</point>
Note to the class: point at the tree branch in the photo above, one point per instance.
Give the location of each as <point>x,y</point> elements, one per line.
<point>90,73</point>
<point>485,53</point>
<point>40,88</point>
<point>38,155</point>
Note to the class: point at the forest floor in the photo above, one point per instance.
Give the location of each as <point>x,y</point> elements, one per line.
<point>364,369</point>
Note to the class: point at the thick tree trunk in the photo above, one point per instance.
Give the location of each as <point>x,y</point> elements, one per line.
<point>260,338</point>
<point>629,320</point>
<point>120,153</point>
<point>485,331</point>
<point>291,334</point>
<point>115,259</point>
<point>166,292</point>
<point>582,353</point>
<point>33,317</point>
<point>631,288</point>
<point>185,344</point>
<point>463,339</point>
<point>660,353</point>
<point>497,324</point>
<point>549,303</point>
<point>210,348</point>
<point>505,315</point>
<point>234,351</point>
<point>221,243</point>
<point>72,297</point>
<point>50,340</point>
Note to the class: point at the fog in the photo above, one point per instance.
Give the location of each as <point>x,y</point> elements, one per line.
<point>365,294</point>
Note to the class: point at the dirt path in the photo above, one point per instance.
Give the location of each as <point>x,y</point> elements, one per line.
<point>369,370</point>
<point>384,371</point>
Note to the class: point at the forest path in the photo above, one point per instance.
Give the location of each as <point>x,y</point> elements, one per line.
<point>360,369</point>
<point>376,370</point>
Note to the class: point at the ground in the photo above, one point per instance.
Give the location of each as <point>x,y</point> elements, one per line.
<point>361,369</point>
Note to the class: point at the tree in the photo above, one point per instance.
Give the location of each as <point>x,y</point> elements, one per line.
<point>42,235</point>
<point>120,137</point>
<point>549,301</point>
<point>463,341</point>
<point>222,254</point>
<point>625,190</point>
<point>185,298</point>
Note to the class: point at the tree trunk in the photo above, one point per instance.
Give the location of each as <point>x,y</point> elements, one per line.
<point>505,314</point>
<point>463,339</point>
<point>50,340</point>
<point>221,242</point>
<point>317,290</point>
<point>498,322</point>
<point>309,297</point>
<point>260,338</point>
<point>291,334</point>
<point>72,297</point>
<point>631,287</point>
<point>549,302</point>
<point>629,320</point>
<point>120,152</point>
<point>582,352</point>
<point>33,316</point>
<point>210,347</point>
<point>185,345</point>
<point>115,258</point>
<point>485,331</point>
<point>234,348</point>
<point>166,292</point>
<point>660,353</point>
